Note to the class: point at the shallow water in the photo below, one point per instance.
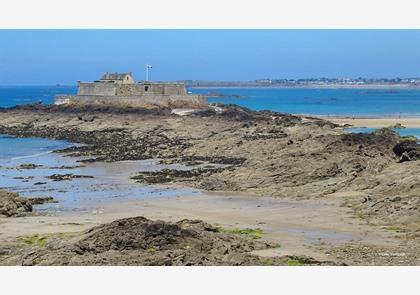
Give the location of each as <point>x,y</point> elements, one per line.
<point>401,131</point>
<point>111,180</point>
<point>14,148</point>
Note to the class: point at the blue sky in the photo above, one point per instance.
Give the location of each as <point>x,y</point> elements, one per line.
<point>43,57</point>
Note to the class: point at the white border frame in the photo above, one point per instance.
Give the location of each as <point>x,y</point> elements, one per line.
<point>160,14</point>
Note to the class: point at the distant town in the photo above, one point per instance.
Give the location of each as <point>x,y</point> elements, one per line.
<point>311,82</point>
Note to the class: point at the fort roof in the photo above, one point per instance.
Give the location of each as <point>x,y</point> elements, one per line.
<point>160,83</point>
<point>115,76</point>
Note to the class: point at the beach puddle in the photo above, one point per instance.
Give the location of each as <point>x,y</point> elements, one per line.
<point>27,165</point>
<point>316,236</point>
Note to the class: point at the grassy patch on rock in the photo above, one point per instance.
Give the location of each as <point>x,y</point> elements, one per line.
<point>293,262</point>
<point>394,229</point>
<point>250,232</point>
<point>41,240</point>
<point>35,240</point>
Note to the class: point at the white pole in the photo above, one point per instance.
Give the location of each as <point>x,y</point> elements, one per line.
<point>147,72</point>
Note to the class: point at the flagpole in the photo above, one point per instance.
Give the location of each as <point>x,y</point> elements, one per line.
<point>147,72</point>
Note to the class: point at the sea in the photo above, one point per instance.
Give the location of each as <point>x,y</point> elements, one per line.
<point>314,101</point>
<point>321,101</point>
<point>112,180</point>
<point>18,95</point>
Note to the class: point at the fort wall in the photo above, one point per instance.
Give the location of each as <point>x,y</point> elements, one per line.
<point>105,88</point>
<point>97,88</point>
<point>150,88</point>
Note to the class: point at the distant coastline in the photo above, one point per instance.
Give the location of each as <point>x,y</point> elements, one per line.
<point>323,82</point>
<point>309,86</point>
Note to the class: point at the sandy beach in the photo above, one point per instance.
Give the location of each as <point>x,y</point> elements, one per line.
<point>376,122</point>
<point>311,227</point>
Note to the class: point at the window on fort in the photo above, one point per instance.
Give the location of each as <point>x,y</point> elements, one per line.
<point>146,88</point>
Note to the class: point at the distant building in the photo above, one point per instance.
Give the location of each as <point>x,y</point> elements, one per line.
<point>124,78</point>
<point>122,89</point>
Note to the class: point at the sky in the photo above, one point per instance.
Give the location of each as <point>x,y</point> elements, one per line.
<point>48,57</point>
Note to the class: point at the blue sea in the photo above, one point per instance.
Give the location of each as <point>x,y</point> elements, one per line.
<point>18,95</point>
<point>315,101</point>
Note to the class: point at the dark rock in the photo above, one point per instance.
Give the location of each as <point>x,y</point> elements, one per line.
<point>86,118</point>
<point>23,178</point>
<point>407,150</point>
<point>29,166</point>
<point>405,157</point>
<point>69,176</point>
<point>170,175</point>
<point>213,160</point>
<point>41,200</point>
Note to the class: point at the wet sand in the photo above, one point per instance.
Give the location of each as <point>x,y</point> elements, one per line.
<point>376,122</point>
<point>307,227</point>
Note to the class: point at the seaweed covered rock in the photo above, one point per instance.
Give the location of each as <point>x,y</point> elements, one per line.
<point>407,150</point>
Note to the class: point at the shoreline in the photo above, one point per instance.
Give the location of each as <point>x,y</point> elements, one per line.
<point>374,122</point>
<point>376,86</point>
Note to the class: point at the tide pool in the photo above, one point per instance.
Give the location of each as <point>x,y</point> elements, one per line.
<point>110,182</point>
<point>401,131</point>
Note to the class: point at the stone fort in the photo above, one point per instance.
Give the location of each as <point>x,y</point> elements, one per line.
<point>121,89</point>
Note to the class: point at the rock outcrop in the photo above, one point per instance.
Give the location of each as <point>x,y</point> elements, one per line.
<point>140,241</point>
<point>11,204</point>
